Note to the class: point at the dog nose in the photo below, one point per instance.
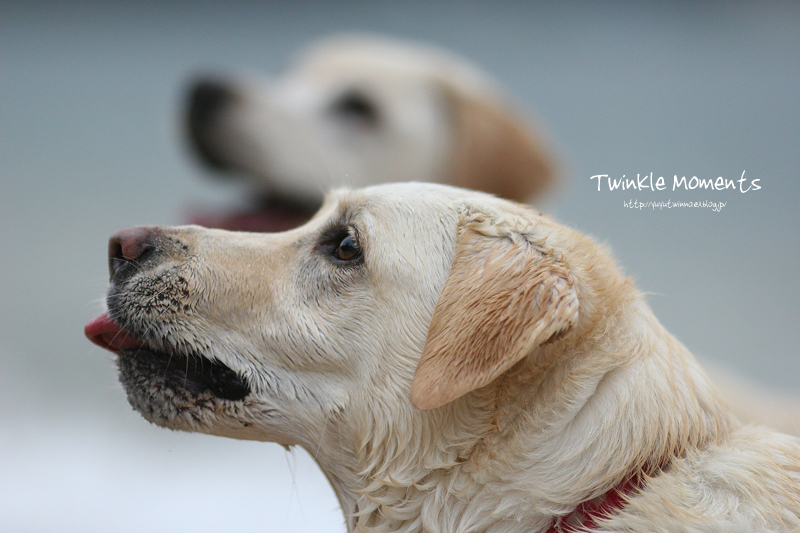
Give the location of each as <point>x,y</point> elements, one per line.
<point>206,98</point>
<point>207,101</point>
<point>129,244</point>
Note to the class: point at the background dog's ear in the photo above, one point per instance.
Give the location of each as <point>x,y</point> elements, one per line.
<point>494,151</point>
<point>506,295</point>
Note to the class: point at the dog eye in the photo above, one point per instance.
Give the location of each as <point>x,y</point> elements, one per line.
<point>348,249</point>
<point>354,105</point>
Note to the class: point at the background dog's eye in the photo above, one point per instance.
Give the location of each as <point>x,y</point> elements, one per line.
<point>348,249</point>
<point>355,105</point>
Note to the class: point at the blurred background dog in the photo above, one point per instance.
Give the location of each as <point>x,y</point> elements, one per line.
<point>362,110</point>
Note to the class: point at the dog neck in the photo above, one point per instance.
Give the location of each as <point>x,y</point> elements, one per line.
<point>532,447</point>
<point>588,514</point>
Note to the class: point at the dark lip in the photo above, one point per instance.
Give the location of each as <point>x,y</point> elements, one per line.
<point>194,373</point>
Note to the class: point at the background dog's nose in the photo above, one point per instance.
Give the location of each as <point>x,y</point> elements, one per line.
<point>208,100</point>
<point>207,96</point>
<point>129,244</point>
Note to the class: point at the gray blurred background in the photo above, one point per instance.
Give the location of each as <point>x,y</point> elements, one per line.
<point>90,141</point>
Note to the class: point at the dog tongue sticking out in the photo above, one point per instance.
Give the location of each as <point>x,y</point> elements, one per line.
<point>106,333</point>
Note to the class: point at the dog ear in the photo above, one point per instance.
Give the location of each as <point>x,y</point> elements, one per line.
<point>494,151</point>
<point>506,294</point>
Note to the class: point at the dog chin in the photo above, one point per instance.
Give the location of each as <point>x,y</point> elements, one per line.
<point>190,393</point>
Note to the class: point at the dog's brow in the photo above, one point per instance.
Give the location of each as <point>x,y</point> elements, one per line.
<point>346,215</point>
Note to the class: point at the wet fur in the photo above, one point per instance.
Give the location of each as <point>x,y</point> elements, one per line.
<point>430,409</point>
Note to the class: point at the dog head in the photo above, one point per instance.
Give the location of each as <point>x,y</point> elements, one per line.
<point>389,296</point>
<point>361,111</point>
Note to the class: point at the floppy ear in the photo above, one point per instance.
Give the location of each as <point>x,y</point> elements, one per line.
<point>507,294</point>
<point>494,151</point>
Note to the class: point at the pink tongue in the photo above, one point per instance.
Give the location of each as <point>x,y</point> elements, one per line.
<point>106,333</point>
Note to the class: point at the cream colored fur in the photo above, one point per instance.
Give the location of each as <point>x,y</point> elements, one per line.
<point>439,119</point>
<point>543,378</point>
<point>436,118</point>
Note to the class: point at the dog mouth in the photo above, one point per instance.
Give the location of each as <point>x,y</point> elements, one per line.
<point>266,216</point>
<point>143,367</point>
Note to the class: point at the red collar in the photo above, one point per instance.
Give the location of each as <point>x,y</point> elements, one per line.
<point>587,514</point>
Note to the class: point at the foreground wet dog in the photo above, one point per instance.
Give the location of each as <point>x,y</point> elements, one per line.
<point>454,362</point>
